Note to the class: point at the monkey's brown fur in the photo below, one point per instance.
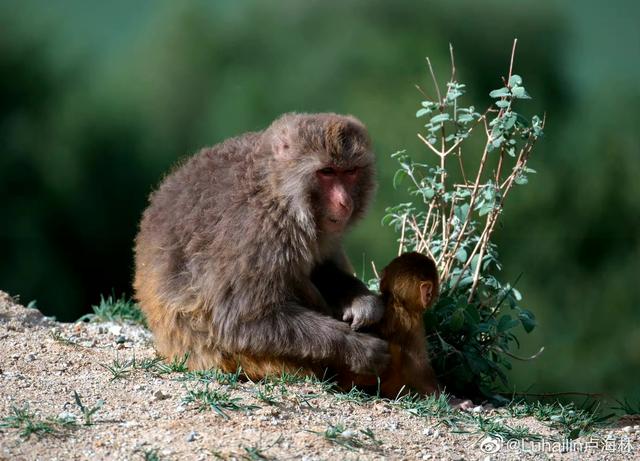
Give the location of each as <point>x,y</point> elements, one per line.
<point>409,285</point>
<point>227,245</point>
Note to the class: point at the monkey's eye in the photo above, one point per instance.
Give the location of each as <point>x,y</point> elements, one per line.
<point>351,171</point>
<point>327,172</point>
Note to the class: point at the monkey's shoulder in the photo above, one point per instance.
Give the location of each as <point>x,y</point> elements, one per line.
<point>237,148</point>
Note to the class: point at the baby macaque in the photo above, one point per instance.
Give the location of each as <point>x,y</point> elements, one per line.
<point>408,286</point>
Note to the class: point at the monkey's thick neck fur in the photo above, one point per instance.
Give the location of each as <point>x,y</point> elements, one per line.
<point>226,246</point>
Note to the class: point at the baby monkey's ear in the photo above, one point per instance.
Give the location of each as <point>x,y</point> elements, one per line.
<point>426,293</point>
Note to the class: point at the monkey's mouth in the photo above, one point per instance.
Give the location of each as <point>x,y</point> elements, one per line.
<point>335,224</point>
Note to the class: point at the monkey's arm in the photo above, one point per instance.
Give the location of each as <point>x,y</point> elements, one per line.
<point>293,332</point>
<point>348,298</point>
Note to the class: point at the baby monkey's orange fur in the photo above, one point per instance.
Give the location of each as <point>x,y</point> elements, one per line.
<point>409,285</point>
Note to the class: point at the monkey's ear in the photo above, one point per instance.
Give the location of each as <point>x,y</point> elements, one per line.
<point>426,293</point>
<point>281,142</point>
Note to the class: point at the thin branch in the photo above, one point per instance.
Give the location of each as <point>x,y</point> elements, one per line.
<point>471,255</point>
<point>517,357</point>
<point>433,149</point>
<point>422,242</point>
<point>435,82</point>
<point>476,274</point>
<point>401,247</point>
<point>499,168</point>
<point>422,92</point>
<point>513,55</point>
<point>375,271</point>
<point>472,201</point>
<point>453,63</point>
<point>464,176</point>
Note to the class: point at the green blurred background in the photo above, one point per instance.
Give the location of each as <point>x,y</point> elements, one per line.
<point>99,99</point>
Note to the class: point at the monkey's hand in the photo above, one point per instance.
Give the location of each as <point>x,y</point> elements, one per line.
<point>366,354</point>
<point>364,310</point>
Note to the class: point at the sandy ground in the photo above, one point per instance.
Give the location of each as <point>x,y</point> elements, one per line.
<point>144,416</point>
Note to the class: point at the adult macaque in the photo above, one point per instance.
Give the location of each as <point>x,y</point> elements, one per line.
<point>408,286</point>
<point>229,241</point>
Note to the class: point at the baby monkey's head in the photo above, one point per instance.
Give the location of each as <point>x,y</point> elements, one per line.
<point>412,280</point>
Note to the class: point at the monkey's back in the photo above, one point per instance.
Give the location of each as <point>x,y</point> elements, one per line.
<point>193,215</point>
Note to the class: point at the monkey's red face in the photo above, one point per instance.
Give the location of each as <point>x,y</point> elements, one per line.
<point>337,187</point>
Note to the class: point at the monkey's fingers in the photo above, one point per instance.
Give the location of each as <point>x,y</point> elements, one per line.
<point>365,310</point>
<point>354,318</point>
<point>347,315</point>
<point>358,322</point>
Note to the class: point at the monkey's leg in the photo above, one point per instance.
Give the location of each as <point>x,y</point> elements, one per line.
<point>257,368</point>
<point>419,375</point>
<point>180,326</point>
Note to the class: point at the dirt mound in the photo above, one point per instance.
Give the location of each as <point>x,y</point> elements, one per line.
<point>97,391</point>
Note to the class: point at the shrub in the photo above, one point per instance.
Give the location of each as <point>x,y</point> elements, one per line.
<point>452,218</point>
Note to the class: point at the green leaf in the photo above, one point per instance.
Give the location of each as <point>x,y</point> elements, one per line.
<point>521,180</point>
<point>461,211</point>
<point>506,323</point>
<point>439,118</point>
<point>497,142</point>
<point>474,262</point>
<point>398,177</point>
<point>515,80</point>
<point>500,93</point>
<point>528,320</point>
<point>466,281</point>
<point>428,193</point>
<point>520,93</point>
<point>422,112</point>
<point>485,209</point>
<point>516,294</point>
<point>456,321</point>
<point>461,255</point>
<point>509,120</point>
<point>502,103</point>
<point>472,312</point>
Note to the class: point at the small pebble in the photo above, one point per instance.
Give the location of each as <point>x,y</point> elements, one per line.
<point>348,434</point>
<point>159,395</point>
<point>427,431</point>
<point>67,416</point>
<point>121,339</point>
<point>628,429</point>
<point>478,409</point>
<point>191,436</point>
<point>128,424</point>
<point>30,358</point>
